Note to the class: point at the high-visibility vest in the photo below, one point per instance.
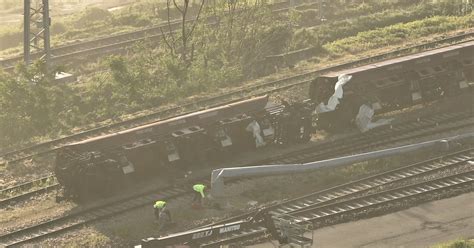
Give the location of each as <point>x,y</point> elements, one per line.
<point>159,204</point>
<point>200,188</point>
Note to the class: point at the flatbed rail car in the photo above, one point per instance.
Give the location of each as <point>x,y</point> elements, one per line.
<point>286,229</point>
<point>102,164</point>
<point>398,82</point>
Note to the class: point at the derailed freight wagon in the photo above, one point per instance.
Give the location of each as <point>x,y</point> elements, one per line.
<point>394,83</point>
<point>102,164</point>
<point>338,98</point>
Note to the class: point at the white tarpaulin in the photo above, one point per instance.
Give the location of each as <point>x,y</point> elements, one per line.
<point>364,119</point>
<point>254,127</point>
<point>334,99</point>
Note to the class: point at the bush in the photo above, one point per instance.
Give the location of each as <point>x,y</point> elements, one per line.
<point>58,28</point>
<point>30,103</point>
<point>90,15</point>
<point>134,20</point>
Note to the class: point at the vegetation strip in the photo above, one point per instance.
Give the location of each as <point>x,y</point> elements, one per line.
<point>99,44</point>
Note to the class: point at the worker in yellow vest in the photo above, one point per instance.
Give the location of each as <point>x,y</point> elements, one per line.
<point>162,215</point>
<point>199,195</point>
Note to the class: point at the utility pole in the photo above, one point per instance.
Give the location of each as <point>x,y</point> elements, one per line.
<point>36,30</point>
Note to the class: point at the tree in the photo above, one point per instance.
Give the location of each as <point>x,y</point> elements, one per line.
<point>31,102</point>
<point>182,45</point>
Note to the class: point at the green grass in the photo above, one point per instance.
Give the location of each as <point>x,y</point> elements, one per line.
<point>459,243</point>
<point>398,33</point>
<point>95,22</point>
<point>89,23</point>
<point>350,26</point>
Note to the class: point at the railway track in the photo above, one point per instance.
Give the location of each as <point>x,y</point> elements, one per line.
<point>385,135</point>
<point>343,199</point>
<point>119,42</point>
<point>374,140</point>
<point>232,96</point>
<point>86,216</point>
<point>81,218</point>
<point>357,205</point>
<point>14,194</point>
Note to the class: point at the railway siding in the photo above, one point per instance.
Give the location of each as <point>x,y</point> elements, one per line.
<point>367,205</point>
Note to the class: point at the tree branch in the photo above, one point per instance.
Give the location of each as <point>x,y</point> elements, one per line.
<point>169,22</point>
<point>197,18</point>
<point>166,41</point>
<point>177,7</point>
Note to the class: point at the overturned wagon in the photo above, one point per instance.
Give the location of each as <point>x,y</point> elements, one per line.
<point>338,98</point>
<point>102,164</point>
<point>393,83</point>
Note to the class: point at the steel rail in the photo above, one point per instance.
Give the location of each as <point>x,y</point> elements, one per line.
<point>316,211</point>
<point>387,196</point>
<point>89,215</point>
<point>25,196</point>
<point>80,218</point>
<point>232,96</point>
<point>26,190</point>
<point>341,192</point>
<point>25,186</point>
<point>376,139</point>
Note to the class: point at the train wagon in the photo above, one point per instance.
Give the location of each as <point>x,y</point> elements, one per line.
<point>395,83</point>
<point>336,99</point>
<point>102,164</point>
